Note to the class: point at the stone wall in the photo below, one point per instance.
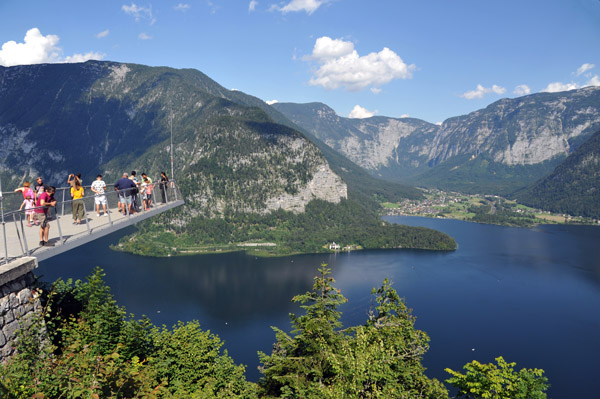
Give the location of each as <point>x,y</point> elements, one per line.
<point>17,300</point>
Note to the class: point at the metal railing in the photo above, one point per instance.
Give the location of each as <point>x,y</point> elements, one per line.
<point>20,236</point>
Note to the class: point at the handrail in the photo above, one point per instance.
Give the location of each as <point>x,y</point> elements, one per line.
<point>12,221</point>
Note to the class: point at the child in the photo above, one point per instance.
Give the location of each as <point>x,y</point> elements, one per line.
<point>148,192</point>
<point>143,186</point>
<point>149,189</point>
<point>29,205</point>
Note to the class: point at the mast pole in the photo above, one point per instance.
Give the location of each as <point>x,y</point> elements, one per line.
<point>172,171</point>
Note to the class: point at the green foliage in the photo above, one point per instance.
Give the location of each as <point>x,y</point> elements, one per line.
<point>190,360</point>
<point>83,346</point>
<point>321,360</point>
<point>488,381</point>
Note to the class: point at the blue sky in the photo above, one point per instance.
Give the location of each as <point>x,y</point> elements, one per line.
<point>424,59</point>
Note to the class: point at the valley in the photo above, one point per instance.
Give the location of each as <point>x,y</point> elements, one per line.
<point>491,209</point>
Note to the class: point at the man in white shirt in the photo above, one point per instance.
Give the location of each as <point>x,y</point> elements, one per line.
<point>98,187</point>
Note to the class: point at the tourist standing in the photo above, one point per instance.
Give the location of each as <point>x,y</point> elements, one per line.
<point>29,204</point>
<point>73,178</point>
<point>44,201</point>
<point>77,195</point>
<point>148,181</point>
<point>124,186</point>
<point>149,188</point>
<point>164,180</point>
<point>26,190</point>
<point>98,187</point>
<point>39,188</point>
<point>135,203</point>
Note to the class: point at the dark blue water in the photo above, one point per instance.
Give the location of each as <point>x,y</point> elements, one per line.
<point>530,295</point>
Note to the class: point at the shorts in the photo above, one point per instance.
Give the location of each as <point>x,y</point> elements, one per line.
<point>42,218</point>
<point>100,199</point>
<point>125,199</point>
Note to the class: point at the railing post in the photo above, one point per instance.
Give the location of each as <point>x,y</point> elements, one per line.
<point>128,206</point>
<point>17,230</point>
<point>62,212</point>
<point>58,224</point>
<point>85,215</point>
<point>3,228</point>
<point>108,212</point>
<point>24,238</point>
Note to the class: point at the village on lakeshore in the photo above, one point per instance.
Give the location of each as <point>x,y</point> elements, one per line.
<point>479,208</point>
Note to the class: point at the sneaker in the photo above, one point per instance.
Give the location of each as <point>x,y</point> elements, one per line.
<point>106,214</point>
<point>98,215</point>
<point>28,224</point>
<point>42,243</point>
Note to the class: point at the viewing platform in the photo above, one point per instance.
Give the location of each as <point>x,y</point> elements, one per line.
<point>18,240</point>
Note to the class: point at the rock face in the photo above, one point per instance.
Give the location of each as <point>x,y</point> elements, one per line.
<point>525,136</point>
<point>105,117</point>
<point>324,185</point>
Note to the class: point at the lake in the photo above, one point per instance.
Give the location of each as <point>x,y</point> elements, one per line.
<point>530,295</point>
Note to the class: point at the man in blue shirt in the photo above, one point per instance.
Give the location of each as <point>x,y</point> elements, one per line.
<point>124,186</point>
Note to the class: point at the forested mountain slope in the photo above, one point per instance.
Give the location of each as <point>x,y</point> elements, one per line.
<point>573,187</point>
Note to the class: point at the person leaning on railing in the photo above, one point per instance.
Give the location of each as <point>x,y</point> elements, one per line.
<point>164,180</point>
<point>124,187</point>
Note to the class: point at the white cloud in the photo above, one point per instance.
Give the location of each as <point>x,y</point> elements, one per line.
<point>102,34</point>
<point>38,49</point>
<point>144,36</point>
<point>309,6</point>
<point>360,112</point>
<point>404,116</point>
<point>271,102</point>
<point>139,12</point>
<point>375,90</point>
<point>594,81</point>
<point>522,90</point>
<point>252,5</point>
<point>558,86</point>
<point>481,91</point>
<point>327,49</point>
<point>584,68</point>
<point>92,55</point>
<point>341,66</point>
<point>182,7</point>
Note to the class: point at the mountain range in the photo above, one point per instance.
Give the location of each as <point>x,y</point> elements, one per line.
<point>235,153</point>
<point>498,149</point>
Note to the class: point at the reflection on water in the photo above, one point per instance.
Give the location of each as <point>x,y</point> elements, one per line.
<point>531,295</point>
